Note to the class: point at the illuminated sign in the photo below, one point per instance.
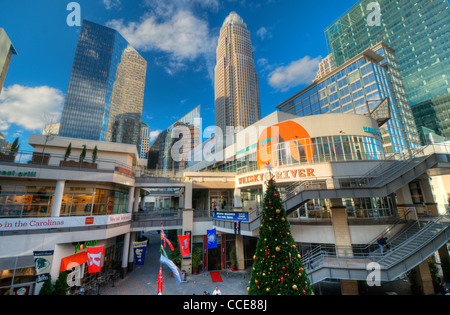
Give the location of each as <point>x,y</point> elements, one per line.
<point>279,175</point>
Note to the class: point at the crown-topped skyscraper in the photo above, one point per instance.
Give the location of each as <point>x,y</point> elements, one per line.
<point>237,97</point>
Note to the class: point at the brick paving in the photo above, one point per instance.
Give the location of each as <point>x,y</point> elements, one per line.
<point>143,279</point>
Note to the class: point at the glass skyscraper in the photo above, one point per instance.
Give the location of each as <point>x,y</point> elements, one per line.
<point>419,33</point>
<point>105,97</point>
<point>7,50</point>
<point>237,98</point>
<point>358,87</point>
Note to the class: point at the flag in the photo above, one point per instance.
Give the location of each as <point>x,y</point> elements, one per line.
<point>211,239</point>
<point>185,242</point>
<point>95,258</point>
<point>172,267</point>
<point>165,239</point>
<point>43,264</point>
<point>139,252</point>
<point>160,282</point>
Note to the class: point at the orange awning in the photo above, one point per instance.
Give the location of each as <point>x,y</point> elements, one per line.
<point>73,261</point>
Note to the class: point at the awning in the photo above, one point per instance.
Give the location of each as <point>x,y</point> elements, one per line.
<point>73,261</point>
<point>214,185</point>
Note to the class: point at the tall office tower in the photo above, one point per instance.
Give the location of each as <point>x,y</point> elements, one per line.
<point>106,91</point>
<point>359,86</point>
<point>417,30</point>
<point>144,141</point>
<point>7,50</point>
<point>325,67</point>
<point>237,97</point>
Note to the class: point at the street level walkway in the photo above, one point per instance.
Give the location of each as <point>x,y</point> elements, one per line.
<point>143,279</point>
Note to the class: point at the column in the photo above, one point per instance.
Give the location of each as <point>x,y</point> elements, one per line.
<point>126,249</point>
<point>349,287</point>
<point>424,278</point>
<point>57,198</point>
<point>131,252</point>
<point>237,200</point>
<point>342,238</point>
<point>430,203</point>
<point>188,222</point>
<point>405,204</point>
<point>137,196</point>
<point>445,261</point>
<point>240,257</point>
<point>188,195</point>
<point>130,199</point>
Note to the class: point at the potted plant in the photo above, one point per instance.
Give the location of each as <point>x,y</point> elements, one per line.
<point>94,155</point>
<point>68,151</point>
<point>83,154</point>
<point>196,257</point>
<point>11,155</point>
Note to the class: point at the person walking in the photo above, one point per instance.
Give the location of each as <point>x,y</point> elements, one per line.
<point>382,242</point>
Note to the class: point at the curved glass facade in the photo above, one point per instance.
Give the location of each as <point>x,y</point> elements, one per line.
<point>106,91</point>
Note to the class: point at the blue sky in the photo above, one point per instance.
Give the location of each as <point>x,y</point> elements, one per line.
<point>178,39</point>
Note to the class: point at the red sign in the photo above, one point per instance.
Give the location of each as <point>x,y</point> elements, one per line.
<point>94,258</point>
<point>89,220</point>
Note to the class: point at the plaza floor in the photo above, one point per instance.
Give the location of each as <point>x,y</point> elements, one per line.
<point>143,279</point>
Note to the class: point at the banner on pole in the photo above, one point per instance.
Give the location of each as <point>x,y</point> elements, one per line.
<point>211,239</point>
<point>140,249</point>
<point>95,258</point>
<point>185,244</point>
<point>172,267</point>
<point>43,264</point>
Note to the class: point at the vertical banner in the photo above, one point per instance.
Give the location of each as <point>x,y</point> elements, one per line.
<point>185,244</point>
<point>139,252</point>
<point>43,264</point>
<point>211,239</point>
<point>95,258</point>
<point>160,282</point>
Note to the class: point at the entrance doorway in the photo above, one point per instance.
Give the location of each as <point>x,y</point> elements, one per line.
<point>215,256</point>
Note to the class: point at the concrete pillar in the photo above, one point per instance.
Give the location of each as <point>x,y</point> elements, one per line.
<point>130,199</point>
<point>240,257</point>
<point>424,277</point>
<point>57,198</point>
<point>428,196</point>
<point>342,238</point>
<point>444,256</point>
<point>237,200</point>
<point>126,249</point>
<point>349,287</point>
<point>131,252</point>
<point>188,195</point>
<point>188,226</point>
<point>137,196</point>
<point>405,203</point>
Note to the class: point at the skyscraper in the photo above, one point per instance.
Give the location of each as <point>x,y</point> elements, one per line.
<point>106,91</point>
<point>418,31</point>
<point>144,141</point>
<point>237,97</point>
<point>7,50</point>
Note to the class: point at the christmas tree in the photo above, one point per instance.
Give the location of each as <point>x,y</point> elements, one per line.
<point>277,267</point>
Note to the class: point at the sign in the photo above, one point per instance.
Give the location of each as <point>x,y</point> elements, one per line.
<point>95,258</point>
<point>23,224</point>
<point>139,252</point>
<point>43,264</point>
<point>83,245</point>
<point>17,174</point>
<point>373,131</point>
<point>290,174</point>
<point>231,216</point>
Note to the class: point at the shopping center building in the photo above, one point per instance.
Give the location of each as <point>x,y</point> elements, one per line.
<point>340,190</point>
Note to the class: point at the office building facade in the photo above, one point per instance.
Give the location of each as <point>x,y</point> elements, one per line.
<point>417,31</point>
<point>7,50</point>
<point>358,87</point>
<point>237,99</point>
<point>144,141</point>
<point>105,97</point>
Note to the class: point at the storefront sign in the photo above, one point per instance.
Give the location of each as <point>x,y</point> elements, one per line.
<point>279,175</point>
<point>60,222</point>
<point>231,216</point>
<point>43,264</point>
<point>17,174</point>
<point>373,131</point>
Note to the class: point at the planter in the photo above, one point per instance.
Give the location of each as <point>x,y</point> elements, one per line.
<point>195,271</point>
<point>79,165</point>
<point>40,159</point>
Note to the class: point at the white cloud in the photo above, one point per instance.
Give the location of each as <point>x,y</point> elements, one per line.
<point>302,71</point>
<point>110,4</point>
<point>154,135</point>
<point>29,107</point>
<point>263,33</point>
<point>172,28</point>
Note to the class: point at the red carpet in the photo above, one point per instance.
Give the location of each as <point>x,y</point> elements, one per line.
<point>215,276</point>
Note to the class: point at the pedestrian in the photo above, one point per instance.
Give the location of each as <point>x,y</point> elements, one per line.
<point>206,293</point>
<point>217,291</point>
<point>444,289</point>
<point>382,242</point>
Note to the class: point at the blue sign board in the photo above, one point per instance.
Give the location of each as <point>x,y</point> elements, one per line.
<point>231,216</point>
